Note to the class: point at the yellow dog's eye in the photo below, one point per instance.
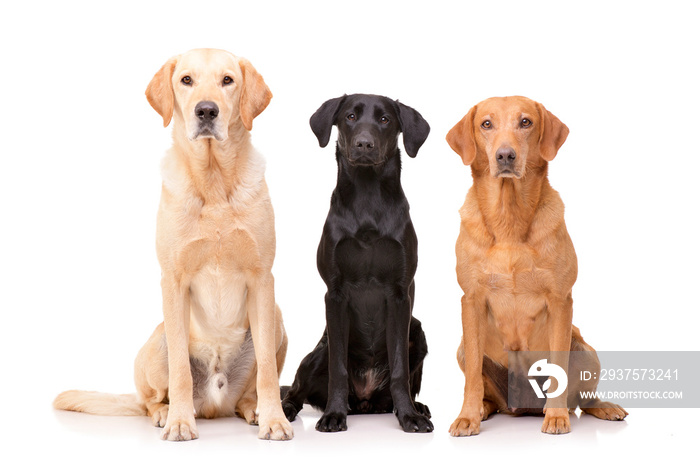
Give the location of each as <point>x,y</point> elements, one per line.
<point>525,123</point>
<point>228,80</point>
<point>186,80</point>
<point>486,124</point>
<point>351,117</point>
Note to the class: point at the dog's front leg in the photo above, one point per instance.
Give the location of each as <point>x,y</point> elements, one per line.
<point>334,417</point>
<point>398,326</point>
<point>560,314</point>
<point>473,327</point>
<point>261,314</point>
<point>180,424</point>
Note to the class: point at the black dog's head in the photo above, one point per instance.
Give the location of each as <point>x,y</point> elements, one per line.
<point>368,127</point>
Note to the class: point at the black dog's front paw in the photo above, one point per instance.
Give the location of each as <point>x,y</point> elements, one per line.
<point>332,422</point>
<point>422,409</point>
<point>415,422</point>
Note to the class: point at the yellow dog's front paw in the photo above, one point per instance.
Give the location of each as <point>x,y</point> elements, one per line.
<point>179,430</point>
<point>276,429</point>
<point>556,421</point>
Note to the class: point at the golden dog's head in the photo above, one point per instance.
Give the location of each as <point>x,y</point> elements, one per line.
<point>209,91</point>
<point>507,133</point>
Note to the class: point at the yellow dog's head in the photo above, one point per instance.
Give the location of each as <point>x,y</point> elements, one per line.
<point>209,91</point>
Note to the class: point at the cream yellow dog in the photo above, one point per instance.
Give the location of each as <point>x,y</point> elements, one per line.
<point>222,344</point>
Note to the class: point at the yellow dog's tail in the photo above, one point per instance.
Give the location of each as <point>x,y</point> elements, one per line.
<point>105,404</point>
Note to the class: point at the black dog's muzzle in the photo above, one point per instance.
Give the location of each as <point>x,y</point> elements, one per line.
<point>363,150</point>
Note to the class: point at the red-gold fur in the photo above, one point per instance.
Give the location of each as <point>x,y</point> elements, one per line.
<point>515,260</point>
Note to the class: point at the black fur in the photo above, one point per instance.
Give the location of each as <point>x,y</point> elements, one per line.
<point>370,358</point>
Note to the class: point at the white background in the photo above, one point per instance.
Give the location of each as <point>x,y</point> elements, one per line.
<point>80,183</point>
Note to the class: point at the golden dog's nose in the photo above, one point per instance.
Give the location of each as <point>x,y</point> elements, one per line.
<point>505,156</point>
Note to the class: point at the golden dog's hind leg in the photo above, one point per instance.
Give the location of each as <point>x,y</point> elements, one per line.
<point>248,403</point>
<point>151,377</point>
<point>586,357</point>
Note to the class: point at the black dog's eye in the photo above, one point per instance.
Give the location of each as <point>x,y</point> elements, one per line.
<point>351,117</point>
<point>186,80</point>
<point>228,80</point>
<point>525,123</point>
<point>384,120</point>
<point>486,124</point>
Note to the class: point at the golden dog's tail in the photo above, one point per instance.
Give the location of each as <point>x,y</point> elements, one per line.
<point>105,404</point>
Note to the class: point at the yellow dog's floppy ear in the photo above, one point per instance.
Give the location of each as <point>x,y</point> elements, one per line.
<point>461,137</point>
<point>160,91</point>
<point>255,95</point>
<point>553,133</point>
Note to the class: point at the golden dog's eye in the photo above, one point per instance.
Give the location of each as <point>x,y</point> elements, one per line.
<point>486,124</point>
<point>351,117</point>
<point>186,80</point>
<point>525,123</point>
<point>384,120</point>
<point>228,80</point>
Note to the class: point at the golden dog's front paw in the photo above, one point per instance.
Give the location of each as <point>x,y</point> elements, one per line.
<point>276,429</point>
<point>556,421</point>
<point>179,430</point>
<point>464,427</point>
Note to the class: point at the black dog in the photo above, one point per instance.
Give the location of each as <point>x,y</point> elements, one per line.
<point>370,358</point>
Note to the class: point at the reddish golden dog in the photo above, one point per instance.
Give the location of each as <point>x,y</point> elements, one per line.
<point>515,260</point>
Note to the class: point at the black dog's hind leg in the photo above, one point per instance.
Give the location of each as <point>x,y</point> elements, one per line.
<point>335,415</point>
<point>310,382</point>
<point>398,318</point>
<point>417,350</point>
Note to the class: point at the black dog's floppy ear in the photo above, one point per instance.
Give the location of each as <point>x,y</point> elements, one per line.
<point>414,127</point>
<point>323,119</point>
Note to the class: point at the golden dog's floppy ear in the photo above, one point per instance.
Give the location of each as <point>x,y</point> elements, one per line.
<point>160,91</point>
<point>255,95</point>
<point>461,137</point>
<point>553,133</point>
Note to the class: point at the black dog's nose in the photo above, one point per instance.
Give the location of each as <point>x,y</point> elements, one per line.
<point>206,110</point>
<point>364,143</point>
<point>505,156</point>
